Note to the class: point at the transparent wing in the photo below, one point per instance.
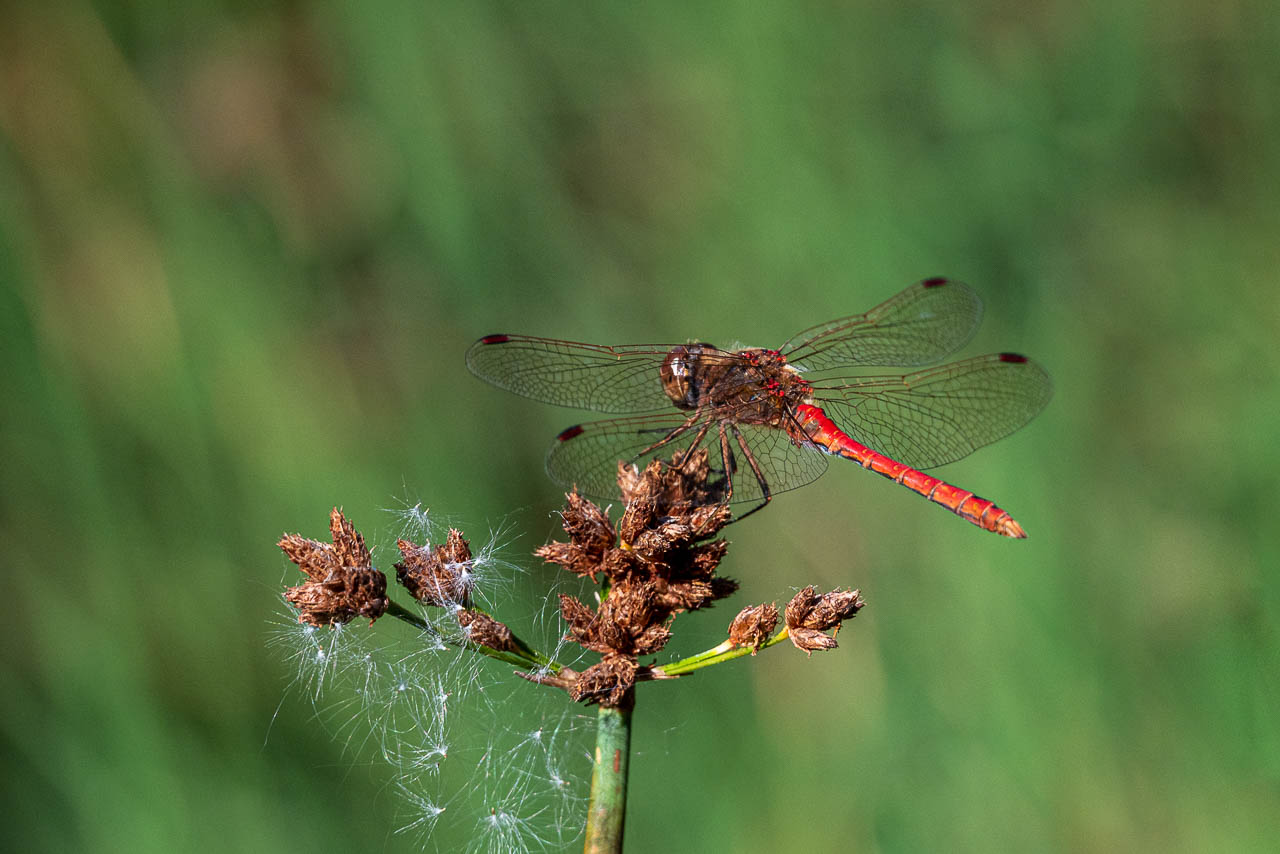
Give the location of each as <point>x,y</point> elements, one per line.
<point>939,415</point>
<point>925,323</point>
<point>587,455</point>
<point>566,373</point>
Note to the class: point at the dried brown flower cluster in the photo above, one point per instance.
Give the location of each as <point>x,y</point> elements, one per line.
<point>484,630</point>
<point>810,615</point>
<point>437,576</point>
<point>660,561</point>
<point>753,625</point>
<point>343,583</point>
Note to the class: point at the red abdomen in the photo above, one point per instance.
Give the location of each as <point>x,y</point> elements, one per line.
<point>822,431</point>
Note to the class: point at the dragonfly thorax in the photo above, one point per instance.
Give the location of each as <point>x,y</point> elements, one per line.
<point>751,384</point>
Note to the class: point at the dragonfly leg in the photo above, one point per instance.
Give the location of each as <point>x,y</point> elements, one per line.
<point>729,463</point>
<point>672,436</point>
<point>697,439</point>
<point>766,494</point>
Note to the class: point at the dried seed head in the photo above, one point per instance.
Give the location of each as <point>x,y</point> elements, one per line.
<point>587,525</point>
<point>801,605</point>
<point>360,592</point>
<point>342,581</point>
<point>660,562</point>
<point>711,517</point>
<point>486,631</point>
<point>810,640</point>
<point>651,640</point>
<point>706,557</point>
<point>320,560</point>
<point>437,576</point>
<point>753,626</point>
<point>638,516</point>
<point>675,490</point>
<point>600,631</point>
<point>835,607</point>
<point>692,595</point>
<point>620,564</point>
<point>456,549</point>
<point>575,613</point>
<point>591,538</point>
<point>637,489</point>
<point>606,682</point>
<point>809,610</point>
<point>809,615</point>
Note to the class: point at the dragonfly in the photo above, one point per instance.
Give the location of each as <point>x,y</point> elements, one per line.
<point>771,418</point>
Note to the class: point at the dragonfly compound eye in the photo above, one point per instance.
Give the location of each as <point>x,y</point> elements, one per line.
<point>676,376</point>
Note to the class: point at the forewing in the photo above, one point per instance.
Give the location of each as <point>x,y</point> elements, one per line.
<point>925,323</point>
<point>587,455</point>
<point>566,373</point>
<point>937,416</point>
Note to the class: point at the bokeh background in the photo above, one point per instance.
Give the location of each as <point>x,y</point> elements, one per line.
<point>243,247</point>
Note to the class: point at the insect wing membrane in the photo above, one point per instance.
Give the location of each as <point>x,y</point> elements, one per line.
<point>567,373</point>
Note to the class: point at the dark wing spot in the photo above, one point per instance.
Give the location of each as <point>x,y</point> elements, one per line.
<point>935,282</point>
<point>569,432</point>
<point>495,339</point>
<point>1012,357</point>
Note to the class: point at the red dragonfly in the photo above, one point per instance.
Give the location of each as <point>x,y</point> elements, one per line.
<point>771,409</point>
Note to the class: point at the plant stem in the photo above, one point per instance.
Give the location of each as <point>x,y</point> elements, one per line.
<point>607,812</point>
<point>395,609</point>
<point>715,655</point>
<point>524,656</point>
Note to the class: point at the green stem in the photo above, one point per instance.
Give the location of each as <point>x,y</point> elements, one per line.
<point>532,654</point>
<point>608,810</point>
<point>524,656</point>
<point>715,655</point>
<point>395,609</point>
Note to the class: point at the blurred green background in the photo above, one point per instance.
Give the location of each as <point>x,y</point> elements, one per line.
<point>243,247</point>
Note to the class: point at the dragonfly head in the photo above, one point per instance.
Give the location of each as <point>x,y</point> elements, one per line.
<point>682,372</point>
